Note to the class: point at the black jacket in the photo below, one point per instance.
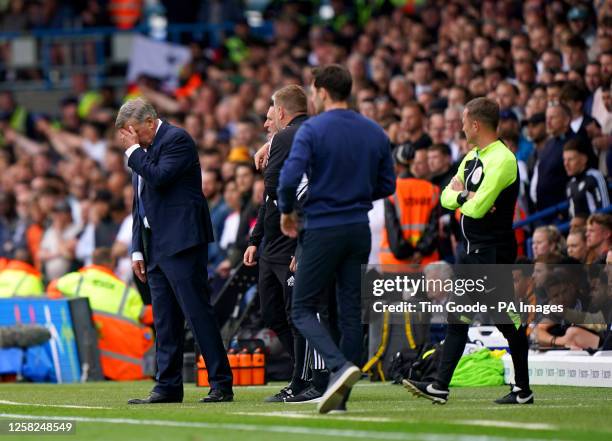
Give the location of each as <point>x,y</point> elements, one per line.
<point>277,248</point>
<point>587,192</point>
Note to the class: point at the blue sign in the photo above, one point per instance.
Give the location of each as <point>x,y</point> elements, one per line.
<point>55,316</point>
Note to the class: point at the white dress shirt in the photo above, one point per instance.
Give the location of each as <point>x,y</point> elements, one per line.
<point>137,255</point>
<point>575,124</point>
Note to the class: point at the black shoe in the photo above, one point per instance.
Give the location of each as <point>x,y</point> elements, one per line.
<point>309,395</point>
<point>280,397</point>
<point>156,398</point>
<point>516,396</point>
<point>218,396</point>
<point>427,390</point>
<point>340,383</point>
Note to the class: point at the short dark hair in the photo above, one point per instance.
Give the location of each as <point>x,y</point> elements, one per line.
<point>247,165</point>
<point>216,174</point>
<point>442,148</point>
<point>555,85</point>
<point>415,105</point>
<point>484,110</point>
<point>211,151</point>
<point>576,41</point>
<point>335,79</point>
<point>572,91</point>
<point>577,144</point>
<point>510,136</point>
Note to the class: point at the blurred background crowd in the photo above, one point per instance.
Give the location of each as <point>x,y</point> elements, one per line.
<point>65,189</point>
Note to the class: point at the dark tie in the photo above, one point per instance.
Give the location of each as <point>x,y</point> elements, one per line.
<point>141,209</point>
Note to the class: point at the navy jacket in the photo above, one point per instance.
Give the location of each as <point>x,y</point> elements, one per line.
<point>552,178</point>
<point>347,159</point>
<point>176,209</point>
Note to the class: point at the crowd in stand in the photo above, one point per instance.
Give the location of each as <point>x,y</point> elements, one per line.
<point>65,189</point>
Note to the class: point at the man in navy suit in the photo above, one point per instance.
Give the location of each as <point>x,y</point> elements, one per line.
<point>170,235</point>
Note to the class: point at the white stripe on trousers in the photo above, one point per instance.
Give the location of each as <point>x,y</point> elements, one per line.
<point>312,359</point>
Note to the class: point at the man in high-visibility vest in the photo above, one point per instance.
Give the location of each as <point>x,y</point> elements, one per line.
<point>485,189</point>
<point>18,278</point>
<point>411,215</point>
<point>124,338</point>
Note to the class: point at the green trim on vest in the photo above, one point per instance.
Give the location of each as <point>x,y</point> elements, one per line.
<point>104,291</point>
<point>15,283</point>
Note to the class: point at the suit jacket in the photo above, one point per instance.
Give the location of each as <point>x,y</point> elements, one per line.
<point>175,207</point>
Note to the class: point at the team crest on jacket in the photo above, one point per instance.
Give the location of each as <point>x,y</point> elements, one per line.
<point>477,176</point>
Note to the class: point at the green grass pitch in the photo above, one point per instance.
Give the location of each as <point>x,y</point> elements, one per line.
<point>376,412</point>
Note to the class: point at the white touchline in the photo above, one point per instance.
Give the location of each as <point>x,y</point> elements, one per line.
<point>293,430</point>
<point>67,406</point>
<point>309,415</point>
<point>508,424</point>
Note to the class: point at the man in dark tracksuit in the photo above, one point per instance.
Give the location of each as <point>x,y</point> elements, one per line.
<point>347,159</point>
<point>485,189</point>
<point>290,107</point>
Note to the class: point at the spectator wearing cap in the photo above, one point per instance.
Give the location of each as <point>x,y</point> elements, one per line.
<point>57,248</point>
<point>587,190</point>
<point>509,123</point>
<point>578,18</point>
<point>536,132</point>
<point>549,179</point>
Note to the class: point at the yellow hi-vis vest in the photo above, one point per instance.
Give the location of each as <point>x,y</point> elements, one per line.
<point>414,200</point>
<point>105,291</point>
<point>117,310</point>
<point>19,279</point>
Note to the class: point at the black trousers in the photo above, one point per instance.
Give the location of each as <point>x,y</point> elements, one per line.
<point>179,292</point>
<point>457,333</point>
<point>275,293</point>
<point>327,254</point>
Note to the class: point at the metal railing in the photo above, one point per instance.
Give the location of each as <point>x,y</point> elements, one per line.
<point>89,50</point>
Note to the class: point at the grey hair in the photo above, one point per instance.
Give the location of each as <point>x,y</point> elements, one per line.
<point>438,270</point>
<point>138,109</point>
